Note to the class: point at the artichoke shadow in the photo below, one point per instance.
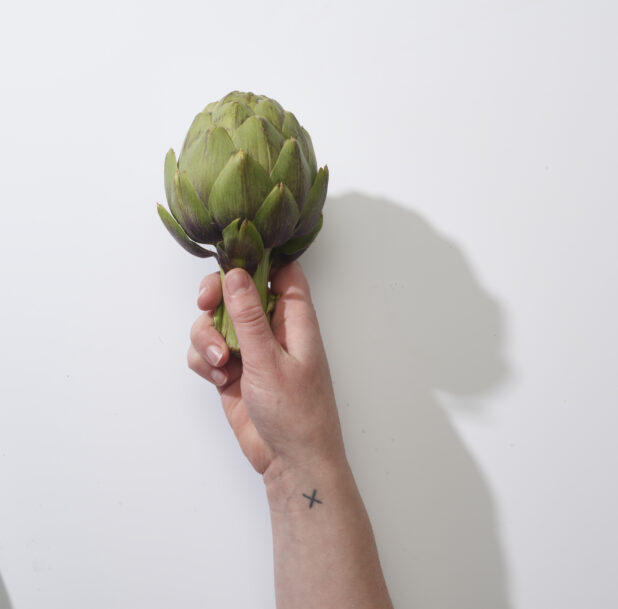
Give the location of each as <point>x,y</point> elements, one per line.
<point>5,601</point>
<point>403,316</point>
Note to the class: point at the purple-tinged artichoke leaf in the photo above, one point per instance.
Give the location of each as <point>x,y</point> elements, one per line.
<point>277,216</point>
<point>243,245</point>
<point>292,169</point>
<point>224,261</point>
<point>313,205</point>
<point>192,161</point>
<point>196,219</point>
<point>309,153</point>
<point>294,248</point>
<point>180,236</point>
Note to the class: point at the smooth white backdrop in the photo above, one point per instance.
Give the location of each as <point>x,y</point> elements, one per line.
<point>466,283</point>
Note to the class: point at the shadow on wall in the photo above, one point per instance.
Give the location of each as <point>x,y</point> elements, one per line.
<point>402,315</point>
<point>5,601</point>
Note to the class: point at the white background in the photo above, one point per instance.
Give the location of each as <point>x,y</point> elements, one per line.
<point>465,279</point>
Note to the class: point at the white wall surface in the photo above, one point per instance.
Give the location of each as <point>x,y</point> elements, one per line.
<point>465,279</point>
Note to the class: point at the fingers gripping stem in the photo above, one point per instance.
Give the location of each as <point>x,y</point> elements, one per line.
<point>222,320</point>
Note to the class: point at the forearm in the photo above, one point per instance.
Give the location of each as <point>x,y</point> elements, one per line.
<point>324,549</point>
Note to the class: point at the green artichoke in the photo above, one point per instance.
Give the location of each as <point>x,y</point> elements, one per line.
<point>247,182</point>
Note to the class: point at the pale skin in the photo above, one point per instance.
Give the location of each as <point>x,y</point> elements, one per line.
<point>281,406</point>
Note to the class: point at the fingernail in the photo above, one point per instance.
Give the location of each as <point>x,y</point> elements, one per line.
<point>202,290</point>
<point>214,355</point>
<point>237,281</point>
<point>218,376</point>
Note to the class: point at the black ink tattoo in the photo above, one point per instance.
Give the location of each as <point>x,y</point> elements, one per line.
<point>312,498</point>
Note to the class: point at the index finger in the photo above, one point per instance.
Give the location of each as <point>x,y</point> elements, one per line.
<point>210,292</point>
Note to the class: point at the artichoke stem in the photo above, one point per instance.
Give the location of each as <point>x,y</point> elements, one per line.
<point>223,323</point>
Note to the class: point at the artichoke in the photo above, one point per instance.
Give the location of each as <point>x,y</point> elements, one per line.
<point>246,182</point>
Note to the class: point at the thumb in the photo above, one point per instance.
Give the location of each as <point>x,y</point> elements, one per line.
<point>257,343</point>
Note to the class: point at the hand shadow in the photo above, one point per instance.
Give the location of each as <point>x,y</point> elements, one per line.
<point>5,601</point>
<point>402,316</point>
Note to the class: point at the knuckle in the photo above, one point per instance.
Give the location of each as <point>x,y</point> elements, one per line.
<point>193,359</point>
<point>210,279</point>
<point>198,328</point>
<point>194,335</point>
<point>211,296</point>
<point>250,315</point>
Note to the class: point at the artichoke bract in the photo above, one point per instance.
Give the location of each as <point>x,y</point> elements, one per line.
<point>246,182</point>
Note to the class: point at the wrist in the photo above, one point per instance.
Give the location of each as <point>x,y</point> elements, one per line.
<point>289,487</point>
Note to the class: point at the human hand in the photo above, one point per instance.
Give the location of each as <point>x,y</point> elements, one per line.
<point>279,398</point>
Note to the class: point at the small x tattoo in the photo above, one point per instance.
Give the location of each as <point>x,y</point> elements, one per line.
<point>312,498</point>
